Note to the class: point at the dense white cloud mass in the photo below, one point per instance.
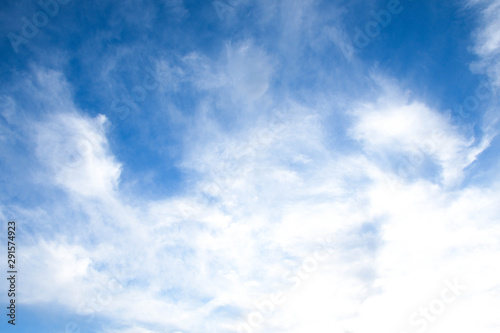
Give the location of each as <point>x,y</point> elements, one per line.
<point>269,196</point>
<point>275,230</point>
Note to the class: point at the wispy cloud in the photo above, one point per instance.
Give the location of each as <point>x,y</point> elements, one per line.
<point>313,193</point>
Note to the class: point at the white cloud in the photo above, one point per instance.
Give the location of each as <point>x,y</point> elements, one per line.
<point>180,260</point>
<point>249,68</point>
<point>232,250</point>
<point>75,149</point>
<point>395,125</point>
<point>488,38</point>
<point>242,73</point>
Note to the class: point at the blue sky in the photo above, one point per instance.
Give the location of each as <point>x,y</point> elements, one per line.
<point>240,166</point>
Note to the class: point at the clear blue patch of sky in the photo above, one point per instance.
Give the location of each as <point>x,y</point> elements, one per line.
<point>427,47</point>
<point>50,318</point>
